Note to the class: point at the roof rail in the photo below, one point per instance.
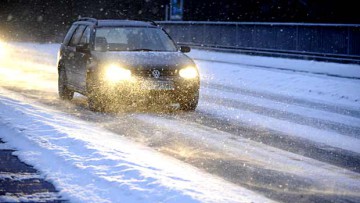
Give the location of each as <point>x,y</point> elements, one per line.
<point>146,20</point>
<point>88,19</point>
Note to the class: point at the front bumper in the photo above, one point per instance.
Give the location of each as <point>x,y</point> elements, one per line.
<point>154,90</point>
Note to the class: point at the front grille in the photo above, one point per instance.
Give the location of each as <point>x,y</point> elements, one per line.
<point>147,73</point>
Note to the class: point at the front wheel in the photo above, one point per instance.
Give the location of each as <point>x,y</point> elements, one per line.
<point>190,103</point>
<point>96,100</point>
<point>95,104</point>
<point>64,92</point>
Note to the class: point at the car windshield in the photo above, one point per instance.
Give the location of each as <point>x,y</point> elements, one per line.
<point>133,39</point>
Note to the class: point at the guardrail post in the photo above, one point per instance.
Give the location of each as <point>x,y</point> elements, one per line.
<point>253,36</point>
<point>297,38</point>
<point>203,34</point>
<point>348,41</point>
<point>236,36</point>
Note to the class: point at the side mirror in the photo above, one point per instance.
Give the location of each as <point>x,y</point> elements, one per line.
<point>185,49</point>
<point>84,48</point>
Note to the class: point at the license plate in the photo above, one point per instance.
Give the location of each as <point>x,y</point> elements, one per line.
<point>158,85</point>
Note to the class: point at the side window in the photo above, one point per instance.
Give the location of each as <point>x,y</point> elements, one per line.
<point>69,34</point>
<point>85,39</point>
<point>77,35</point>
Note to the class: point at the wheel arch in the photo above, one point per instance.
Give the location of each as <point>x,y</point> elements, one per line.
<point>61,64</point>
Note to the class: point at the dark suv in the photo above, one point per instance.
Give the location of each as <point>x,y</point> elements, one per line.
<point>125,61</point>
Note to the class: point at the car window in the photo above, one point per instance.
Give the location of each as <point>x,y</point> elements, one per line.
<point>77,35</point>
<point>85,39</point>
<point>134,38</point>
<point>69,34</point>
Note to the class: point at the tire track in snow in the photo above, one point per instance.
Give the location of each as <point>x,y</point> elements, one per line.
<point>321,152</point>
<point>274,184</point>
<point>286,99</point>
<point>243,168</point>
<point>284,115</point>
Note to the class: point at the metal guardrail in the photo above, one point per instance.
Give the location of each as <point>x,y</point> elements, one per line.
<point>323,41</point>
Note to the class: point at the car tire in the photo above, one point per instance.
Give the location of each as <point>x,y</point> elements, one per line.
<point>64,92</point>
<point>95,104</point>
<point>95,99</point>
<point>190,104</point>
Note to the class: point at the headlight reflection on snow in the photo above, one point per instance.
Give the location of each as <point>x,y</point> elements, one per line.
<point>185,151</point>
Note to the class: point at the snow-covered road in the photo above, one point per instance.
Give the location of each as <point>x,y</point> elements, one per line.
<point>265,129</point>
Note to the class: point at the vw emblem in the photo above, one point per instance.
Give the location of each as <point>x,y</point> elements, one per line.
<point>156,73</point>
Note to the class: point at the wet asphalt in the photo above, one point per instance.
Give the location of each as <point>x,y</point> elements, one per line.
<point>22,182</point>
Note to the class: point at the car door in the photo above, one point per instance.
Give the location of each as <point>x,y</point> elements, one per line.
<point>81,61</point>
<point>73,56</point>
<point>66,60</point>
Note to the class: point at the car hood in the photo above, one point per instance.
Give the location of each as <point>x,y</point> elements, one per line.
<point>144,60</point>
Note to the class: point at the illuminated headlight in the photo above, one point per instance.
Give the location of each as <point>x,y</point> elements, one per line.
<point>116,73</point>
<point>188,72</point>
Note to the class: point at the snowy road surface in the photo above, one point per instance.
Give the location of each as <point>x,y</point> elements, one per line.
<point>266,129</point>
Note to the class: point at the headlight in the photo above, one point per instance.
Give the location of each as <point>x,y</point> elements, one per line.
<point>116,73</point>
<point>188,72</point>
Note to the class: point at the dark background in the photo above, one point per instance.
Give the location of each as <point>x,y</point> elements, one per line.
<point>47,20</point>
